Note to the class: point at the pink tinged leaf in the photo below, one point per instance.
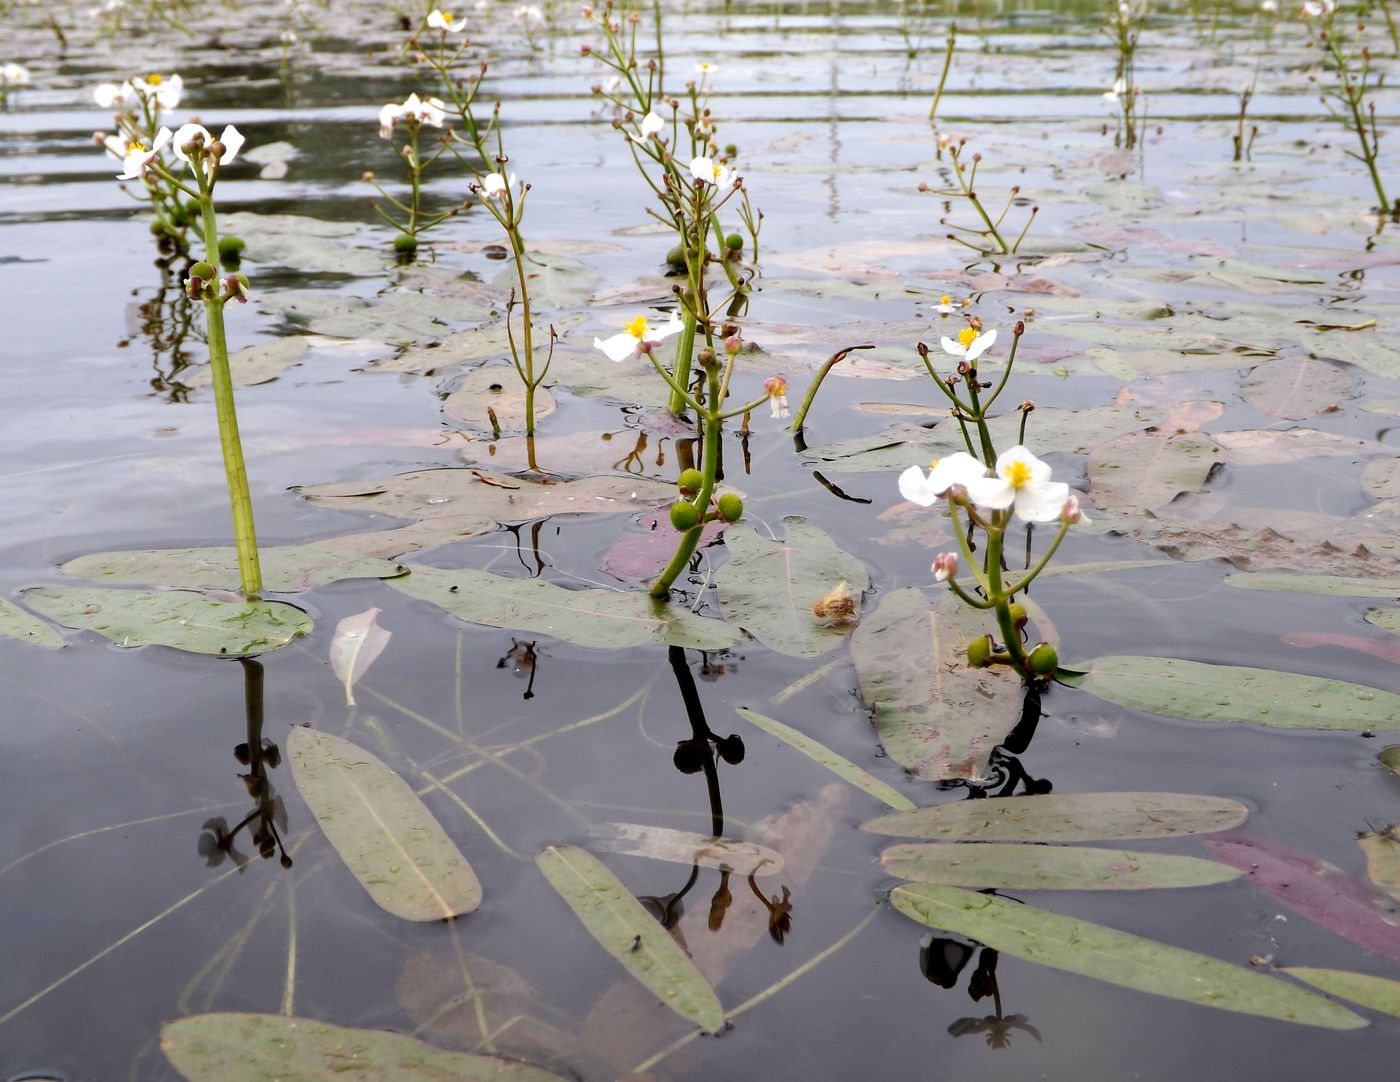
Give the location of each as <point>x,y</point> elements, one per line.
<point>1320,891</point>
<point>358,640</point>
<point>1386,649</point>
<point>640,555</point>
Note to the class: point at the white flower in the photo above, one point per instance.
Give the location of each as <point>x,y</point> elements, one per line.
<point>707,172</point>
<point>165,90</point>
<point>775,387</point>
<point>12,74</point>
<point>529,13</point>
<point>706,68</point>
<point>1314,9</point>
<point>109,94</point>
<point>1022,481</point>
<point>613,85</point>
<point>1268,7</point>
<point>637,337</point>
<point>1116,91</point>
<point>959,468</point>
<point>496,186</point>
<point>445,21</point>
<point>650,125</point>
<point>117,145</point>
<point>232,140</point>
<point>947,306</point>
<point>137,156</point>
<point>970,345</point>
<point>288,37</point>
<point>413,111</point>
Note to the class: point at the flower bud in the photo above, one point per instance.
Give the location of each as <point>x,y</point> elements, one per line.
<point>957,496</point>
<point>1019,329</point>
<point>707,358</point>
<point>945,566</point>
<point>731,507</point>
<point>1070,514</point>
<point>683,515</point>
<point>1019,618</point>
<point>733,344</point>
<point>979,652</point>
<point>202,270</point>
<point>690,481</point>
<point>405,243</point>
<point>235,288</point>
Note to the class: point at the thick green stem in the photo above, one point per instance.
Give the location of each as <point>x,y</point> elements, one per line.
<point>807,400</point>
<point>1002,599</point>
<point>681,369</point>
<point>241,502</point>
<point>708,463</point>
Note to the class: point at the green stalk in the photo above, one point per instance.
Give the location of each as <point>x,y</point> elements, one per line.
<point>807,400</point>
<point>681,369</point>
<point>709,460</point>
<point>240,501</point>
<point>947,64</point>
<point>1002,599</point>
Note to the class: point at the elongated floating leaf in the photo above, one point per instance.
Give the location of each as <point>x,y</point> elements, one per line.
<point>1378,993</point>
<point>15,623</point>
<point>1011,866</point>
<point>386,836</point>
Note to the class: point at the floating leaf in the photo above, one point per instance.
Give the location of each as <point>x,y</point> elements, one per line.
<point>769,587</point>
<point>1334,585</point>
<point>843,768</point>
<point>489,341</point>
<point>1381,478</point>
<point>1389,619</point>
<point>1297,388</point>
<point>383,832</point>
<point>174,618</point>
<point>1008,866</point>
<point>286,569</point>
<point>1106,954</point>
<point>1390,758</point>
<point>496,388</point>
<point>686,847</point>
<point>640,554</point>
<point>307,244</point>
<point>15,623</point>
<point>1271,447</point>
<point>1378,993</point>
<point>935,716</point>
<point>258,1047</point>
<point>1193,691</point>
<point>556,281</point>
<point>630,934</point>
<point>1382,850</point>
<point>1320,891</point>
<point>261,363</point>
<point>1065,817</point>
<point>357,641</point>
<point>1150,469</point>
<point>592,617</point>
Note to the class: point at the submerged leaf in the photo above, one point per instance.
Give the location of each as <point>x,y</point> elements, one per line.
<point>286,569</point>
<point>839,765</point>
<point>1378,993</point>
<point>174,618</point>
<point>1008,866</point>
<point>256,364</point>
<point>383,832</point>
<point>630,934</point>
<point>769,588</point>
<point>257,1047</point>
<point>1065,817</point>
<point>935,716</point>
<point>590,617</point>
<point>1120,958</point>
<point>357,641</point>
<point>1194,691</point>
<point>686,847</point>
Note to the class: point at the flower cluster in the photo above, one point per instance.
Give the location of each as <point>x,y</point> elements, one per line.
<point>413,113</point>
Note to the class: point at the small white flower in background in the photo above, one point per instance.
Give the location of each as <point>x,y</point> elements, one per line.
<point>945,566</point>
<point>496,186</point>
<point>1268,7</point>
<point>12,74</point>
<point>613,85</point>
<point>947,306</point>
<point>288,37</point>
<point>1022,481</point>
<point>117,145</point>
<point>529,13</point>
<point>706,68</point>
<point>166,90</point>
<point>707,172</point>
<point>138,156</point>
<point>959,468</point>
<point>970,345</point>
<point>1316,9</point>
<point>638,336</point>
<point>1116,91</point>
<point>776,389</point>
<point>232,140</point>
<point>413,111</point>
<point>109,94</point>
<point>650,125</point>
<point>446,22</point>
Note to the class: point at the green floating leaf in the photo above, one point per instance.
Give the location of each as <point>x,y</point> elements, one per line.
<point>1150,469</point>
<point>1193,691</point>
<point>1388,619</point>
<point>1297,388</point>
<point>1390,758</point>
<point>15,623</point>
<point>935,716</point>
<point>260,1047</point>
<point>287,569</point>
<point>686,847</point>
<point>556,281</point>
<point>174,618</point>
<point>383,832</point>
<point>1008,866</point>
<point>498,389</point>
<point>630,934</point>
<point>486,342</point>
<point>308,244</point>
<point>1066,817</point>
<point>261,363</point>
<point>1378,993</point>
<point>603,618</point>
<point>1333,585</point>
<point>841,767</point>
<point>1106,954</point>
<point>1382,851</point>
<point>769,587</point>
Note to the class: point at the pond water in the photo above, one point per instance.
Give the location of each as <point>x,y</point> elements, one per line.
<point>1170,294</point>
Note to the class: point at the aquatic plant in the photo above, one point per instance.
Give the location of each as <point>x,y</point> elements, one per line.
<point>964,179</point>
<point>1124,26</point>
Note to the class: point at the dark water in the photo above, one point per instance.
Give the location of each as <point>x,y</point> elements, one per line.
<point>114,758</point>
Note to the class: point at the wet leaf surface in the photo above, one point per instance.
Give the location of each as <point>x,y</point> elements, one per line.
<point>286,568</point>
<point>1378,993</point>
<point>357,641</point>
<point>496,389</point>
<point>1382,851</point>
<point>1010,866</point>
<point>685,847</point>
<point>15,623</point>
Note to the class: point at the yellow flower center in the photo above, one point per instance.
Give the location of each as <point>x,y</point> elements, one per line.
<point>945,299</point>
<point>967,336</point>
<point>934,464</point>
<point>153,80</point>
<point>448,17</point>
<point>135,148</point>
<point>1018,473</point>
<point>637,328</point>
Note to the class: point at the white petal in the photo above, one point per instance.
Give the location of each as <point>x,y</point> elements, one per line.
<point>957,349</point>
<point>991,492</point>
<point>1041,503</point>
<point>619,347</point>
<point>233,142</point>
<point>979,344</point>
<point>959,468</point>
<point>703,169</point>
<point>187,132</point>
<point>651,124</point>
<point>913,486</point>
<point>674,325</point>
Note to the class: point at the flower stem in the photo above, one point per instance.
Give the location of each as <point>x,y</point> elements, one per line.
<point>709,463</point>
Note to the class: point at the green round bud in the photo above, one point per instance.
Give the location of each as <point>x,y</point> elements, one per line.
<point>683,515</point>
<point>675,258</point>
<point>1044,660</point>
<point>179,217</point>
<point>734,241</point>
<point>1018,615</point>
<point>731,150</point>
<point>731,507</point>
<point>158,227</point>
<point>202,271</point>
<point>979,652</point>
<point>691,481</point>
<point>405,243</point>
<point>231,248</point>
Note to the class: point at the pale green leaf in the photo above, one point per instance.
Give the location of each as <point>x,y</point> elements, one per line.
<point>15,623</point>
<point>554,280</point>
<point>1065,817</point>
<point>1378,993</point>
<point>589,617</point>
<point>1194,691</point>
<point>1381,478</point>
<point>1147,470</point>
<point>1298,388</point>
<point>174,618</point>
<point>630,934</point>
<point>256,364</point>
<point>1382,852</point>
<point>843,768</point>
<point>357,641</point>
<point>267,1047</point>
<point>1390,758</point>
<point>1334,585</point>
<point>769,587</point>
<point>285,568</point>
<point>496,388</point>
<point>1011,866</point>
<point>1106,954</point>
<point>382,831</point>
